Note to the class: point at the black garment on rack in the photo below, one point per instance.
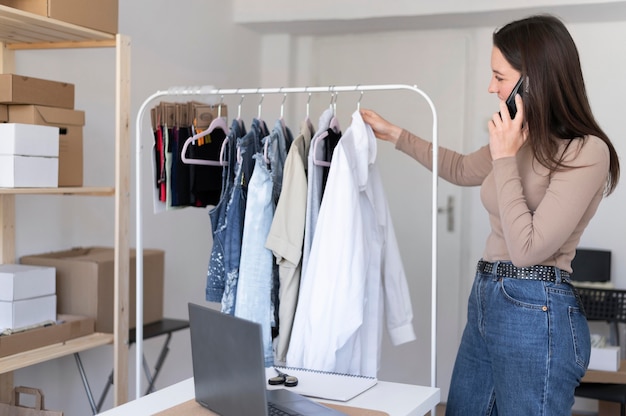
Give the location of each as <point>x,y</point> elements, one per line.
<point>206,181</point>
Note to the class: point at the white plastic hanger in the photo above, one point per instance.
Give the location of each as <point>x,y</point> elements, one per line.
<point>218,123</point>
<point>334,124</point>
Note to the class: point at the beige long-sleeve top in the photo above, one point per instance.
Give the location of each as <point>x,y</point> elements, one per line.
<point>535,217</point>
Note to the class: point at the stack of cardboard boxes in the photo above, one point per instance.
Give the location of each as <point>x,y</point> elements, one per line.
<point>49,155</point>
<point>99,15</point>
<point>85,283</point>
<point>28,310</point>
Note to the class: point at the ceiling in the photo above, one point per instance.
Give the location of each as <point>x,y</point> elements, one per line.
<point>599,12</point>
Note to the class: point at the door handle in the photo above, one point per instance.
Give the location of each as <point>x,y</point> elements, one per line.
<point>449,211</point>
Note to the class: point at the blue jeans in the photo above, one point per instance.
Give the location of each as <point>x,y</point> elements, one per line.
<point>254,287</point>
<point>279,142</point>
<point>525,348</point>
<point>216,273</point>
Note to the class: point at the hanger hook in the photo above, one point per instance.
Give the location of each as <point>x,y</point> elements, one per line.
<point>239,107</point>
<point>282,105</point>
<point>260,103</point>
<point>219,107</point>
<point>358,104</point>
<point>308,103</point>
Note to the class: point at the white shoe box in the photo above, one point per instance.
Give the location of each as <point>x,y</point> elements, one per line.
<point>27,312</point>
<point>605,358</point>
<point>29,140</point>
<point>27,295</point>
<point>29,155</point>
<point>24,281</point>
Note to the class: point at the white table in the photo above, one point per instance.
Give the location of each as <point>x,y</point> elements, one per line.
<point>396,399</point>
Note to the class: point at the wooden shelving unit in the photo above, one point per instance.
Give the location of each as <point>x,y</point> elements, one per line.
<point>21,30</point>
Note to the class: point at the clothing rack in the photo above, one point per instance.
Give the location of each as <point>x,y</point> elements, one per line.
<point>334,89</point>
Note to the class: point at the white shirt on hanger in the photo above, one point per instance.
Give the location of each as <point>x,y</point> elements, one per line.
<point>354,276</point>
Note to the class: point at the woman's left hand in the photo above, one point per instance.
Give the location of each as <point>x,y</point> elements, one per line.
<point>506,135</point>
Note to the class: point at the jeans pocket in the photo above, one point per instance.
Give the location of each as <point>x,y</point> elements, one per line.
<point>581,339</point>
<point>524,293</point>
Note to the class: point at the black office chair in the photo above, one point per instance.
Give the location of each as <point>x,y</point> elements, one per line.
<point>610,306</point>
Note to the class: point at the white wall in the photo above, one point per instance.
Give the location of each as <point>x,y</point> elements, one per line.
<point>194,42</point>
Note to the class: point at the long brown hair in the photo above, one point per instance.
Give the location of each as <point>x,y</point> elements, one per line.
<point>556,106</point>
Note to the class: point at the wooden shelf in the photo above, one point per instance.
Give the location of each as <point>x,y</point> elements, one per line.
<point>39,355</point>
<point>21,30</point>
<point>89,191</point>
<point>18,29</point>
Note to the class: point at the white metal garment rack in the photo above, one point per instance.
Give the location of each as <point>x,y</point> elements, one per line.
<point>210,91</point>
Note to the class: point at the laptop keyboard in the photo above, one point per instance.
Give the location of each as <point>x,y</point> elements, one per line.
<point>273,410</point>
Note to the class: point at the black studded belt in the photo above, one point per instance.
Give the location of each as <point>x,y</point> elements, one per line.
<point>537,272</point>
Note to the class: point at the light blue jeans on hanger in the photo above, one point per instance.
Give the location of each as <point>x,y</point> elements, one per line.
<point>254,288</point>
<point>525,347</point>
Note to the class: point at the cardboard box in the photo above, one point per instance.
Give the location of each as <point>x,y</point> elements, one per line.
<point>19,281</point>
<point>85,283</point>
<point>29,140</point>
<point>67,327</point>
<point>70,124</point>
<point>4,113</point>
<point>605,358</point>
<point>26,312</point>
<point>28,172</point>
<point>95,14</point>
<point>18,89</point>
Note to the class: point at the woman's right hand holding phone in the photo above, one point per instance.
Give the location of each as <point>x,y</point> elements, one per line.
<point>506,135</point>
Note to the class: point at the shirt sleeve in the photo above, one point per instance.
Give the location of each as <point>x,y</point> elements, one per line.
<point>398,307</point>
<point>456,168</point>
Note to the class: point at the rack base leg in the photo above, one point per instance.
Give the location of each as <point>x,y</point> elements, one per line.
<point>83,376</point>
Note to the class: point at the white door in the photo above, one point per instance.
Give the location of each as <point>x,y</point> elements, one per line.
<point>439,69</point>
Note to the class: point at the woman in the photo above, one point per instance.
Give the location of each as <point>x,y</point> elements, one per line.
<point>526,343</point>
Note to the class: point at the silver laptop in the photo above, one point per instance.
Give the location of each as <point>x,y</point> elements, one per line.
<point>229,372</point>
